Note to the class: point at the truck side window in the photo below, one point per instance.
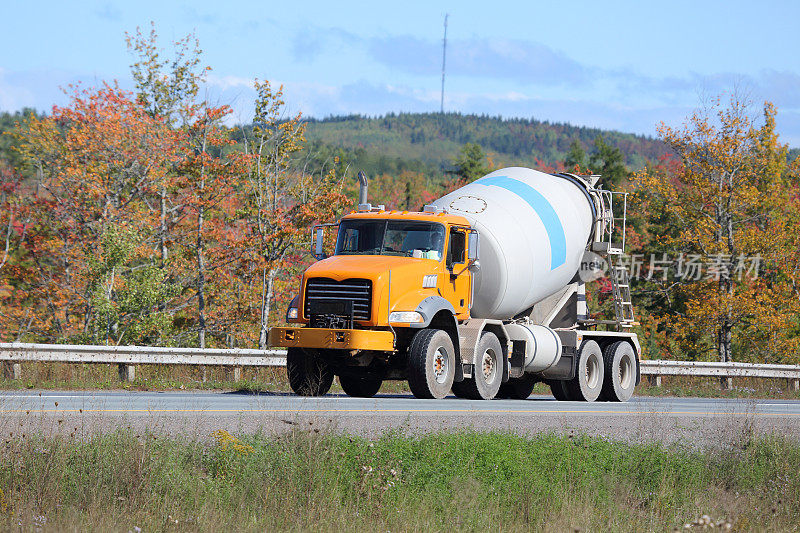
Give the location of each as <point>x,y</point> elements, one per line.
<point>458,245</point>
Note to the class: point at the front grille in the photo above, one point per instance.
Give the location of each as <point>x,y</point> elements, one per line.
<point>325,296</point>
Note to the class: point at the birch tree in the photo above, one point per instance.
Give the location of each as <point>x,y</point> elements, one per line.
<point>281,204</point>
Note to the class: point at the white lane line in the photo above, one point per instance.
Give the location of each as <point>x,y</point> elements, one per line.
<point>13,396</point>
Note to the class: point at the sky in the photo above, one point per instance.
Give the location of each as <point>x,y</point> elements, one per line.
<point>626,66</point>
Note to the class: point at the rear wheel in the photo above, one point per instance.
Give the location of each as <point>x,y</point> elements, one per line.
<point>431,364</point>
<point>518,388</point>
<point>487,374</point>
<point>588,381</point>
<point>360,387</point>
<point>308,374</point>
<point>620,372</point>
<point>560,391</point>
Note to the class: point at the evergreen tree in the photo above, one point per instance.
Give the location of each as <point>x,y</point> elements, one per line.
<point>470,163</point>
<point>608,161</point>
<point>576,156</point>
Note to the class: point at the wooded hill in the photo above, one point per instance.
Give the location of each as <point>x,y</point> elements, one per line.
<point>429,142</point>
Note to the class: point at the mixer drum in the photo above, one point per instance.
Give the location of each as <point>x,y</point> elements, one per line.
<point>534,228</point>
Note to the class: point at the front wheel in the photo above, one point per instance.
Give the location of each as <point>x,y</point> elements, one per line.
<point>308,374</point>
<point>431,364</point>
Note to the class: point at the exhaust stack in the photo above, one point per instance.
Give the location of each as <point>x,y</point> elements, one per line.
<point>362,191</point>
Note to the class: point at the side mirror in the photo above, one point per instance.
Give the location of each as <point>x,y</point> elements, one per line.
<point>319,254</point>
<point>318,240</point>
<point>473,248</point>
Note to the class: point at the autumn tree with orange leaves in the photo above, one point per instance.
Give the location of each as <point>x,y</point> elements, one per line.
<point>731,198</point>
<point>145,222</point>
<point>96,161</point>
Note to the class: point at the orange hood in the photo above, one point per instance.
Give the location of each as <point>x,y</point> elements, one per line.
<point>406,276</point>
<point>372,267</point>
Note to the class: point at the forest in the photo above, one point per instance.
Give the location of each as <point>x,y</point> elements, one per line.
<point>145,218</point>
<point>434,139</point>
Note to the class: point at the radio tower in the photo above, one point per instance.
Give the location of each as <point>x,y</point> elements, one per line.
<point>444,55</point>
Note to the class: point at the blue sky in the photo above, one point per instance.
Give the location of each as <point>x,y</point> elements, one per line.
<point>617,65</point>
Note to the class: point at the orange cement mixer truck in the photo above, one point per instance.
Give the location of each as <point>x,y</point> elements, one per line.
<point>482,293</point>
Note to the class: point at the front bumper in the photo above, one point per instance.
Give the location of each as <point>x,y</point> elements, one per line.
<point>338,339</point>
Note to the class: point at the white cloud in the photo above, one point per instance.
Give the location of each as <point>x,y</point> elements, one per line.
<point>14,97</point>
<point>225,83</point>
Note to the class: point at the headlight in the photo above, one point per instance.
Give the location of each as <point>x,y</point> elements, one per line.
<point>291,314</point>
<point>406,317</point>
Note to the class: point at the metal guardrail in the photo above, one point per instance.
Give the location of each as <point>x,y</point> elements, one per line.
<point>127,356</point>
<point>717,369</point>
<point>140,355</point>
<point>655,369</point>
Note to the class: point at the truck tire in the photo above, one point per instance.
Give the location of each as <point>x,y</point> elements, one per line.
<point>518,388</point>
<point>560,391</point>
<point>588,381</point>
<point>620,372</point>
<point>308,374</point>
<point>487,374</point>
<point>360,387</point>
<point>431,364</point>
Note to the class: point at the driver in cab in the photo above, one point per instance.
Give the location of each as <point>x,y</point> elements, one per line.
<point>434,251</point>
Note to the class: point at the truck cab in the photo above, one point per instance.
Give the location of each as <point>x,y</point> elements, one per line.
<point>391,275</point>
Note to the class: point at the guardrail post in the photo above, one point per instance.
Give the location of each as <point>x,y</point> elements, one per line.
<point>655,381</point>
<point>726,383</point>
<point>12,370</point>
<point>794,384</point>
<point>126,372</point>
<point>233,373</point>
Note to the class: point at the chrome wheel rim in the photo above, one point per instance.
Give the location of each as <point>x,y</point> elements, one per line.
<point>624,372</point>
<point>592,371</point>
<point>441,366</point>
<point>489,366</point>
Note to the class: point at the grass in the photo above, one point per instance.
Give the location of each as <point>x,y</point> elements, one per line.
<point>65,376</point>
<point>701,387</point>
<point>304,480</point>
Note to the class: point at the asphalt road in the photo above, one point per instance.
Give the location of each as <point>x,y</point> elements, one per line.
<point>199,413</point>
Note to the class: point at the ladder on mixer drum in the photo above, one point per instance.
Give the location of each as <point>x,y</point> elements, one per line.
<point>611,224</point>
<point>621,291</point>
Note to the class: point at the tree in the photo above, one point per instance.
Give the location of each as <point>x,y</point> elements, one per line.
<point>576,157</point>
<point>729,197</point>
<point>15,269</point>
<point>95,161</point>
<point>281,205</point>
<point>609,162</point>
<point>125,295</point>
<point>209,175</point>
<point>14,217</point>
<point>470,163</point>
<point>206,175</point>
<point>167,88</point>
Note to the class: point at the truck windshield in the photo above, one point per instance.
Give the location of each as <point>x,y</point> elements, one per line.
<point>390,237</point>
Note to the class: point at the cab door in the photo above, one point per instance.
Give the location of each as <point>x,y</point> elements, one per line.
<point>456,282</point>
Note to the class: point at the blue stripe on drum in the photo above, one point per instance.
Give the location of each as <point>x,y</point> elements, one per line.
<point>543,209</point>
